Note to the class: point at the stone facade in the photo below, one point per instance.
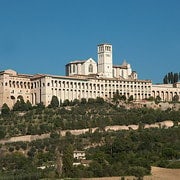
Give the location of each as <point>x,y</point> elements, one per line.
<point>84,79</point>
<point>14,86</point>
<point>166,91</point>
<point>84,67</point>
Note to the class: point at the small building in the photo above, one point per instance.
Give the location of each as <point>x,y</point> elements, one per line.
<point>79,155</point>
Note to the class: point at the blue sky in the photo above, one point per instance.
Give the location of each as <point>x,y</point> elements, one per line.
<point>41,36</point>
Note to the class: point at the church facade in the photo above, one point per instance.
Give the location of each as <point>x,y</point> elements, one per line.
<point>84,79</point>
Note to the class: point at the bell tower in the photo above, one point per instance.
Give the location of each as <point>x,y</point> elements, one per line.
<point>105,60</point>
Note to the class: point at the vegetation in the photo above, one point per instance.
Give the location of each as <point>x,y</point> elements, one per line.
<point>110,153</point>
<point>91,114</point>
<point>5,111</point>
<point>171,78</point>
<point>54,102</point>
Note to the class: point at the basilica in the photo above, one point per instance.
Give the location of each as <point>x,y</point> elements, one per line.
<point>84,79</point>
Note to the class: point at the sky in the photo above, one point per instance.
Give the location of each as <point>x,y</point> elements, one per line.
<point>42,36</point>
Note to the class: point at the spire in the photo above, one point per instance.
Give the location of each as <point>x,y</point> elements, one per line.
<point>124,63</point>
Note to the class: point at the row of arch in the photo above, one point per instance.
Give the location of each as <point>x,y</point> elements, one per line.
<point>77,94</point>
<point>67,84</point>
<point>23,84</point>
<point>18,84</point>
<point>165,95</point>
<point>86,85</point>
<point>72,94</point>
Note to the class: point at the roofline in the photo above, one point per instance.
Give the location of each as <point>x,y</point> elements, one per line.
<point>104,44</point>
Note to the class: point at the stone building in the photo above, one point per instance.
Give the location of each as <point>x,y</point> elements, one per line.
<point>84,79</point>
<point>166,91</point>
<point>14,86</point>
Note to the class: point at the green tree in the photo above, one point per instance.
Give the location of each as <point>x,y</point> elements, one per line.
<point>138,171</point>
<point>157,99</point>
<point>83,101</point>
<point>91,101</point>
<point>130,98</point>
<point>5,111</point>
<point>96,168</point>
<point>20,105</point>
<point>66,102</point>
<point>76,102</point>
<point>116,96</point>
<point>175,98</point>
<point>17,163</point>
<point>68,161</point>
<point>171,78</point>
<point>40,106</point>
<point>2,132</point>
<point>28,105</point>
<point>123,97</point>
<point>99,100</point>
<point>165,80</point>
<point>176,77</point>
<point>54,102</point>
<point>151,98</point>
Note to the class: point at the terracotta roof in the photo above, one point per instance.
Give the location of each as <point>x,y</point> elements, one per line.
<point>120,66</point>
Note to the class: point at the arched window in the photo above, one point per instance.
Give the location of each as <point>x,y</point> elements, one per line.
<point>91,68</point>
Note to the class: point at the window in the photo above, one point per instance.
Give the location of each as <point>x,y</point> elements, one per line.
<point>73,68</point>
<point>91,68</point>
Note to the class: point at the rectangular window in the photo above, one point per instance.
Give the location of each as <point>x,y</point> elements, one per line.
<point>73,68</point>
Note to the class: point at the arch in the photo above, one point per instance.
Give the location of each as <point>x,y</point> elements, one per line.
<point>162,95</point>
<point>21,84</point>
<point>37,84</point>
<point>13,100</point>
<point>19,97</point>
<point>56,83</point>
<point>14,84</point>
<point>25,85</point>
<point>28,85</point>
<point>31,85</point>
<point>17,84</point>
<point>166,96</point>
<point>170,96</point>
<point>52,83</point>
<point>10,83</point>
<point>135,96</point>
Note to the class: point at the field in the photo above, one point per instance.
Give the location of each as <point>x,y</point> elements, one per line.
<point>157,174</point>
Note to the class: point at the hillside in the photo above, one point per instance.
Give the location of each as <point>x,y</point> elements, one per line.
<point>108,153</point>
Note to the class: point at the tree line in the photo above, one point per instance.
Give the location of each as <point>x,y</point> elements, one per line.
<point>171,78</point>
